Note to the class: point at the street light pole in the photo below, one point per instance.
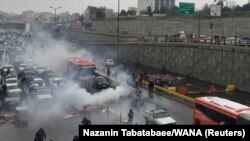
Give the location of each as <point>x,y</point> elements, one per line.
<point>118,32</point>
<point>55,26</point>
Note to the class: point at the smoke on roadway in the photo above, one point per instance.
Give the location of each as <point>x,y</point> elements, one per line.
<point>52,54</point>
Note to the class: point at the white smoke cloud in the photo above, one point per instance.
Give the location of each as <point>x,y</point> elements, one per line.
<point>53,54</point>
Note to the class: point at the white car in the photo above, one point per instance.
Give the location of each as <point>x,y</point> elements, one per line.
<point>11,80</point>
<point>6,67</point>
<point>21,67</point>
<point>43,94</point>
<point>109,62</point>
<point>38,81</point>
<point>11,86</point>
<point>13,96</point>
<point>158,117</point>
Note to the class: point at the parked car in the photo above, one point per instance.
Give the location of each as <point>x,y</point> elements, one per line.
<point>244,42</point>
<point>232,41</point>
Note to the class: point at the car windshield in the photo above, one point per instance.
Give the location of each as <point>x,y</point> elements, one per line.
<point>6,67</point>
<point>11,81</point>
<point>12,95</point>
<point>85,71</point>
<point>101,80</point>
<point>12,87</point>
<point>38,81</point>
<point>161,115</point>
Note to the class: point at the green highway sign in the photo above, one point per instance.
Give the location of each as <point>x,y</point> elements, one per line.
<point>186,8</point>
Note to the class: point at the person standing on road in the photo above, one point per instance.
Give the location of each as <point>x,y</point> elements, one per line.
<point>86,121</point>
<point>151,86</point>
<point>130,116</point>
<point>163,70</point>
<point>188,78</point>
<point>40,135</point>
<point>108,71</point>
<point>76,138</point>
<point>8,72</point>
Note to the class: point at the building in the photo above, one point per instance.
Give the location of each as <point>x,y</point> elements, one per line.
<point>95,13</point>
<point>45,17</point>
<point>29,16</point>
<point>109,13</point>
<point>155,5</point>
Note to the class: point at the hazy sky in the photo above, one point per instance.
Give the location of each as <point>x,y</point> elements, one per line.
<point>72,6</point>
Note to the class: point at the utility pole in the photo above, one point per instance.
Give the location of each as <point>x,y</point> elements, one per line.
<point>199,25</point>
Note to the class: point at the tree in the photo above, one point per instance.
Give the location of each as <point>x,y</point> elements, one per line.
<point>174,11</point>
<point>149,11</point>
<point>123,13</point>
<point>81,19</point>
<point>163,10</point>
<point>131,13</point>
<point>220,2</point>
<point>205,11</point>
<point>245,7</point>
<point>226,9</point>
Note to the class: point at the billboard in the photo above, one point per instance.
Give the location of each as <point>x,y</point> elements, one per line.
<point>186,8</point>
<point>215,10</point>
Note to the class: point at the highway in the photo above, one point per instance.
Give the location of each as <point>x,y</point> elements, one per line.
<point>58,127</point>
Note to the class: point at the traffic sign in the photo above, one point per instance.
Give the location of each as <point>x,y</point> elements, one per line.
<point>215,10</point>
<point>186,8</point>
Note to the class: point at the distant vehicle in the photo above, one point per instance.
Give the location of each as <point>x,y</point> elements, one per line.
<point>80,70</point>
<point>29,74</point>
<point>201,39</point>
<point>100,83</point>
<point>39,70</point>
<point>6,67</point>
<point>244,42</point>
<point>13,97</point>
<point>11,81</point>
<point>39,82</point>
<point>11,86</point>
<point>21,67</point>
<point>41,94</point>
<point>177,37</point>
<point>232,41</point>
<point>109,62</point>
<point>158,117</point>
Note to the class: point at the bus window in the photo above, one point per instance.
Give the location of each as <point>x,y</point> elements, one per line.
<point>215,115</point>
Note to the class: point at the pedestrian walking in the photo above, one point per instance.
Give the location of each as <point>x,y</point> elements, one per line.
<point>130,116</point>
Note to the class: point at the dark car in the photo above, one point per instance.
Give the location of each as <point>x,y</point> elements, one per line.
<point>100,83</point>
<point>39,70</point>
